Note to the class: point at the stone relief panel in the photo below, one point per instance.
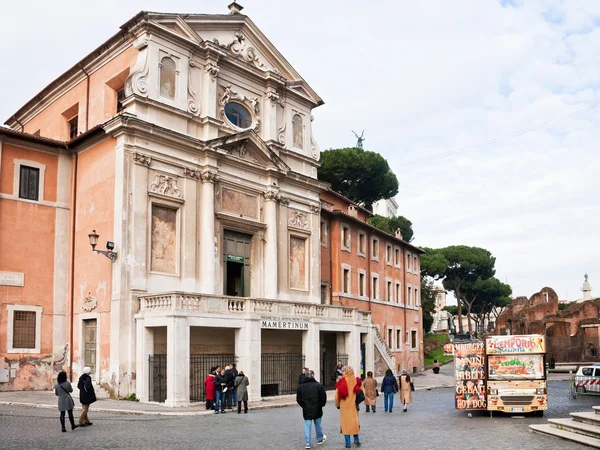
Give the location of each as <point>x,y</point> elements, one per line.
<point>165,185</point>
<point>297,262</point>
<point>239,202</point>
<point>164,239</point>
<point>299,220</point>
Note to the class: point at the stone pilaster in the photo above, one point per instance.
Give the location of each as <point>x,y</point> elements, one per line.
<point>208,257</point>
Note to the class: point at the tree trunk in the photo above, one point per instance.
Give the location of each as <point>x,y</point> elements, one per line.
<point>459,308</point>
<point>469,318</point>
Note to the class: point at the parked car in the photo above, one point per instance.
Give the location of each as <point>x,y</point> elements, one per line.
<point>587,379</point>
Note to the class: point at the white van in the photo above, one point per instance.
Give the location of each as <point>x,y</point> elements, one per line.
<point>587,379</point>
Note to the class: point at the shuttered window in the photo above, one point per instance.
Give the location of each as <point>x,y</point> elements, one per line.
<point>29,183</point>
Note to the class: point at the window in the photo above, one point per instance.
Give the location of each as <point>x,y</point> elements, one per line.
<point>298,131</point>
<point>397,257</point>
<point>23,333</point>
<point>73,127</point>
<point>323,233</point>
<point>417,297</point>
<point>413,339</point>
<point>361,284</point>
<point>120,98</point>
<point>167,78</point>
<point>29,182</point>
<point>375,249</point>
<point>238,115</point>
<point>415,265</point>
<point>346,281</point>
<point>361,243</point>
<point>408,262</point>
<point>408,296</point>
<point>345,237</point>
<point>323,294</point>
<point>388,291</point>
<point>399,339</point>
<point>24,329</point>
<point>375,287</point>
<point>388,254</point>
<point>390,338</point>
<point>398,292</point>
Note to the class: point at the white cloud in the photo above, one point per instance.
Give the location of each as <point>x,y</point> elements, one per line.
<point>423,78</point>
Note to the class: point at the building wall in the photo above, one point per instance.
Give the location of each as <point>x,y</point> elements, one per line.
<point>31,235</point>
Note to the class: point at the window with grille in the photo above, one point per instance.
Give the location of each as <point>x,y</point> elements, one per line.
<point>29,183</point>
<point>73,127</point>
<point>24,329</point>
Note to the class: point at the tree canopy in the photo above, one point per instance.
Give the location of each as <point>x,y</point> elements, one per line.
<point>360,175</point>
<point>483,296</point>
<point>391,224</point>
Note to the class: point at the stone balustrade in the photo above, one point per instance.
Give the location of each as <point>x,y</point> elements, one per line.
<point>214,304</point>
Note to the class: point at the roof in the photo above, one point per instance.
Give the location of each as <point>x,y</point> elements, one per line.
<point>67,145</point>
<point>336,212</point>
<point>350,202</point>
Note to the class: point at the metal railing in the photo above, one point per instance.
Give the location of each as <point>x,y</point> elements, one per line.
<point>200,366</point>
<point>386,352</point>
<point>158,378</point>
<point>279,373</point>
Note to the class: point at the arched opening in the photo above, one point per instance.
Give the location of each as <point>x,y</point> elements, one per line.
<point>167,78</point>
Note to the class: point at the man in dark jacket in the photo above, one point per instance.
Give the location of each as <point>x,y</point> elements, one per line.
<point>312,397</point>
<point>87,396</point>
<point>220,384</point>
<point>235,372</point>
<point>230,384</point>
<point>302,375</point>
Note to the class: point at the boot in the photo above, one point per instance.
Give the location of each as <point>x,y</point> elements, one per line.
<point>72,420</point>
<point>367,408</point>
<point>373,408</point>
<point>62,423</point>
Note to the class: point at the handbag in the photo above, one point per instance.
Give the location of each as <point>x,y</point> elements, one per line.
<point>376,392</point>
<point>412,386</point>
<point>360,397</point>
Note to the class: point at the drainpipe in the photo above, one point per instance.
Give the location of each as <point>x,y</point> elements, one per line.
<point>368,281</point>
<point>73,223</point>
<point>329,244</point>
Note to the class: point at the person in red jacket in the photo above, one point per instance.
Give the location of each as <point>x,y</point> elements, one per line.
<point>209,389</point>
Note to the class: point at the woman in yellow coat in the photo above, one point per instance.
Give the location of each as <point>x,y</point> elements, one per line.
<point>405,390</point>
<point>345,401</point>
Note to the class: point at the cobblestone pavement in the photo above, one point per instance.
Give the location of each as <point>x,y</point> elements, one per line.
<point>431,423</point>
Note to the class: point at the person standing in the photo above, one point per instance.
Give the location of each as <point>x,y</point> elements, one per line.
<point>87,396</point>
<point>220,384</point>
<point>405,389</point>
<point>389,386</point>
<point>338,371</point>
<point>436,366</point>
<point>234,371</point>
<point>63,390</point>
<point>311,396</point>
<point>370,388</point>
<point>302,376</point>
<point>241,386</point>
<point>345,401</point>
<point>229,383</point>
<point>209,389</point>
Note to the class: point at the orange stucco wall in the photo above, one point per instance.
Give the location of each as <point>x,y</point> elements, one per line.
<point>27,229</point>
<point>94,211</point>
<point>53,124</point>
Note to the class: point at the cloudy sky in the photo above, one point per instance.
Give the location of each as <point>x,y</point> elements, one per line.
<point>485,109</point>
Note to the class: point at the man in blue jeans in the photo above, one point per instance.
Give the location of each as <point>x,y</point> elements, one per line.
<point>220,384</point>
<point>312,397</point>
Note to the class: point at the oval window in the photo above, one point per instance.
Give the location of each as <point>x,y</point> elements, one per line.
<point>238,115</point>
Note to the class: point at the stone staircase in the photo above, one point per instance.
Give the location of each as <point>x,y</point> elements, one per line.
<point>581,427</point>
<point>386,353</point>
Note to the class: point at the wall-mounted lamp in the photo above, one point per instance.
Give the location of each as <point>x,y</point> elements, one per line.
<point>109,245</point>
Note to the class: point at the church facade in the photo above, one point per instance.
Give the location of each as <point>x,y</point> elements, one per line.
<point>185,144</point>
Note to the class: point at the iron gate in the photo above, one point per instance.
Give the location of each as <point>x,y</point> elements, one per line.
<point>279,373</point>
<point>200,366</point>
<point>158,378</point>
<point>328,364</point>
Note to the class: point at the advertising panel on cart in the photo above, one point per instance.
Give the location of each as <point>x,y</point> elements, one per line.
<point>516,373</point>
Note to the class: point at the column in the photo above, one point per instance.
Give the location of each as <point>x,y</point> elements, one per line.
<point>248,351</point>
<point>207,234</point>
<point>144,348</point>
<point>178,362</point>
<point>270,258</point>
<point>340,343</point>
<point>353,349</point>
<point>370,350</point>
<point>311,347</point>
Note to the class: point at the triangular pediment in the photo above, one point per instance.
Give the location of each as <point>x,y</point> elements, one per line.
<point>249,148</point>
<point>175,24</point>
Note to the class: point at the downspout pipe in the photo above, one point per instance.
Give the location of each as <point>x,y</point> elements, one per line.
<point>72,275</point>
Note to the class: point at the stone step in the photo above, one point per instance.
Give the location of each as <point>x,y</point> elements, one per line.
<point>597,409</point>
<point>550,430</point>
<point>576,427</point>
<point>592,418</point>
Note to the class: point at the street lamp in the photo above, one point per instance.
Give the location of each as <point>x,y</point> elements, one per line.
<point>109,245</point>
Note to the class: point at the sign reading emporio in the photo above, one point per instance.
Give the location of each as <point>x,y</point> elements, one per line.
<point>284,323</point>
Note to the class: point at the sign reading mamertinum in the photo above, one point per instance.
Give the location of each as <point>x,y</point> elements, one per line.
<point>12,279</point>
<point>284,323</point>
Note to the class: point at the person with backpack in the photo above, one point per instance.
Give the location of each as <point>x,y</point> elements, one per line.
<point>389,386</point>
<point>311,396</point>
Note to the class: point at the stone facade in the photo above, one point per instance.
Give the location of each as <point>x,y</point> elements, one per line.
<point>187,142</point>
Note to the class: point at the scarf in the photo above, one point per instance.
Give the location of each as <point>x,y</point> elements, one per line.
<point>342,388</point>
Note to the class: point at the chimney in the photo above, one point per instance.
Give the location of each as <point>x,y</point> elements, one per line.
<point>399,233</point>
<point>353,211</point>
<point>235,8</point>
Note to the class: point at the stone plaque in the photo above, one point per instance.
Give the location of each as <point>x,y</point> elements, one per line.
<point>297,263</point>
<point>239,202</point>
<point>12,279</point>
<point>284,323</point>
<point>164,239</point>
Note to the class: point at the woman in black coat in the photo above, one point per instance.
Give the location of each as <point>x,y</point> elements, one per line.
<point>87,396</point>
